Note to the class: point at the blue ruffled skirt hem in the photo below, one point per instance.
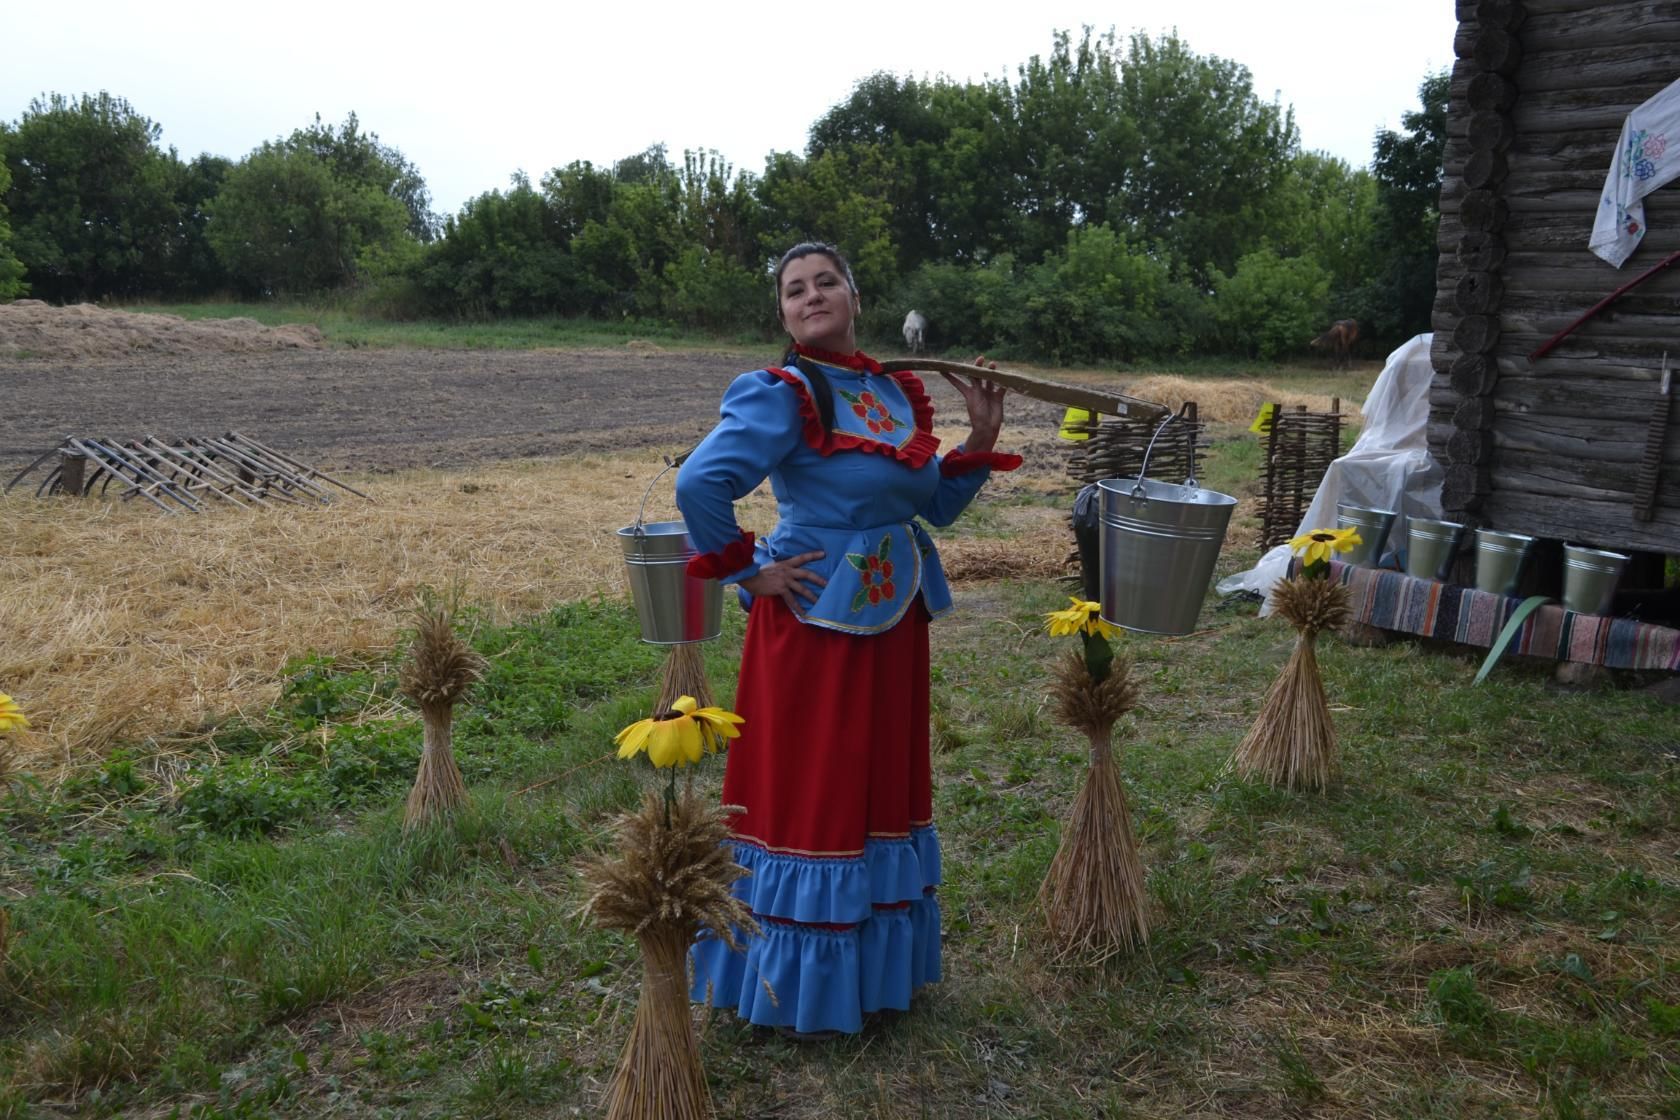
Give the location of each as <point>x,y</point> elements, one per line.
<point>838,938</point>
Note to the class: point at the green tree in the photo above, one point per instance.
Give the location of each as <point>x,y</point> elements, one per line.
<point>709,289</point>
<point>11,269</point>
<point>608,268</point>
<point>1327,213</point>
<point>501,255</point>
<point>888,122</point>
<point>944,147</point>
<point>1203,179</point>
<point>1105,298</point>
<point>834,198</point>
<point>1407,168</point>
<point>975,200</point>
<point>717,278</point>
<point>578,194</point>
<point>192,267</point>
<point>284,221</point>
<point>648,166</point>
<point>361,158</point>
<point>1073,142</point>
<point>646,219</point>
<point>1270,306</point>
<point>970,305</point>
<point>719,209</point>
<point>91,204</point>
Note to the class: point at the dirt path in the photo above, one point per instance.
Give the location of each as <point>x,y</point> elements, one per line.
<point>377,410</point>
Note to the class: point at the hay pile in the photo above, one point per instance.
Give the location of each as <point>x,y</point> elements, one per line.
<point>119,622</point>
<point>1230,400</point>
<point>1035,554</point>
<point>33,329</point>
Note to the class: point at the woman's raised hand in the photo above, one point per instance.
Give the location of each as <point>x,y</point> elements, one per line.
<point>985,407</point>
<point>783,579</point>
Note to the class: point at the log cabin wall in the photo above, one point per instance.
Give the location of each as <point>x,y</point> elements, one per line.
<point>1552,447</point>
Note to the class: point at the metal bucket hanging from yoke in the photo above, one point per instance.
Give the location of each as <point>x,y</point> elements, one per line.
<point>672,606</point>
<point>1159,545</point>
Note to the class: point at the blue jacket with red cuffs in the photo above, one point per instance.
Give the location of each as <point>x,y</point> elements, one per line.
<point>857,491</point>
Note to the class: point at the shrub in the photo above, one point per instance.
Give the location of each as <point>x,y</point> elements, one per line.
<point>503,254</point>
<point>247,797</point>
<point>1271,306</point>
<point>706,289</point>
<point>1103,297</point>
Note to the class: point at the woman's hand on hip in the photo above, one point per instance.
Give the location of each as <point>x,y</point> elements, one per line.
<point>783,579</point>
<point>985,407</point>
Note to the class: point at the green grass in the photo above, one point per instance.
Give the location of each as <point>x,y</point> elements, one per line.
<point>1477,921</point>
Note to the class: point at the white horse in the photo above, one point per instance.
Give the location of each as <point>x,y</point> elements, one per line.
<point>915,331</point>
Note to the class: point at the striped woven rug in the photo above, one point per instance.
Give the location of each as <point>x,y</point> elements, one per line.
<point>1392,600</point>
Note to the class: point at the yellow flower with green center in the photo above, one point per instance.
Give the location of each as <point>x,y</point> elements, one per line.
<point>679,737</point>
<point>1317,545</point>
<point>1083,617</point>
<point>11,716</point>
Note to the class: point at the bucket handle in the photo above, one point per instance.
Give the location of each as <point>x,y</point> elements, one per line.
<point>1138,491</point>
<point>1444,569</point>
<point>671,464</point>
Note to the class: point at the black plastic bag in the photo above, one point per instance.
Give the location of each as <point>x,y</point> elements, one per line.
<point>1087,527</point>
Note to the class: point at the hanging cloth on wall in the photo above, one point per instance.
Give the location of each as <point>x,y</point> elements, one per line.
<point>1647,156</point>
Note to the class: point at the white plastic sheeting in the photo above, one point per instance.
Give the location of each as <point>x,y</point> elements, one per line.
<point>1388,467</point>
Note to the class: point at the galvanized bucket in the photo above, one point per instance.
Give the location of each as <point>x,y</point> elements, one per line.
<point>1373,526</point>
<point>1590,576</point>
<point>1431,547</point>
<point>1159,545</point>
<point>1500,560</point>
<point>672,606</point>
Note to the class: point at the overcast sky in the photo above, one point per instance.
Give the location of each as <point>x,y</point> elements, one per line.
<point>472,91</point>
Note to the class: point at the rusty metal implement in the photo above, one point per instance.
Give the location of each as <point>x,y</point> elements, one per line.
<point>182,475</point>
<point>1656,436</point>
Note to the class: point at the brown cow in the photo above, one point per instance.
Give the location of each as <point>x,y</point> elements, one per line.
<point>1338,341</point>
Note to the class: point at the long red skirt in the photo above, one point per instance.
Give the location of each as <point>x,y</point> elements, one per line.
<point>836,825</point>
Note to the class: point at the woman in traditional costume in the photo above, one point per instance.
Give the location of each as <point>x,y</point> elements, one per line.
<point>831,772</point>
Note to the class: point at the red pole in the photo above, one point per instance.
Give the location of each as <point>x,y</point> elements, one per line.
<point>1546,347</point>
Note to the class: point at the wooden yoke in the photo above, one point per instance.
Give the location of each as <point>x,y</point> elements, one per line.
<point>1038,388</point>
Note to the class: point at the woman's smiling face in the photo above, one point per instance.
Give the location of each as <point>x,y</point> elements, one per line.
<point>816,305</point>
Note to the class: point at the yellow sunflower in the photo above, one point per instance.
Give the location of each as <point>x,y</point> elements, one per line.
<point>1317,545</point>
<point>1084,616</point>
<point>681,736</point>
<point>11,716</point>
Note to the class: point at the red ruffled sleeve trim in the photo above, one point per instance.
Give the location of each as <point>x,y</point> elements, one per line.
<point>716,565</point>
<point>916,451</point>
<point>962,462</point>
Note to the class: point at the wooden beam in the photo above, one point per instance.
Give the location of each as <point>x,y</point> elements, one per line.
<point>1038,388</point>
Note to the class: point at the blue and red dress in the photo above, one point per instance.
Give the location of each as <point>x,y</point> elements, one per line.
<point>831,771</point>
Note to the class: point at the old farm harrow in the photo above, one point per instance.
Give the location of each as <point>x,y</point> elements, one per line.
<point>184,475</point>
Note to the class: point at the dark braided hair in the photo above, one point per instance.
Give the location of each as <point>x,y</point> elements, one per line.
<point>820,391</point>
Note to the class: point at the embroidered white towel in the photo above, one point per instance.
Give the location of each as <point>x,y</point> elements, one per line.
<point>1647,156</point>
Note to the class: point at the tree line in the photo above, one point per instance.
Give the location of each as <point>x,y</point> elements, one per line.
<point>1113,200</point>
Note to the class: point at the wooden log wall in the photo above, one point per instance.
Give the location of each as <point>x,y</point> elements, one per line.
<point>1552,447</point>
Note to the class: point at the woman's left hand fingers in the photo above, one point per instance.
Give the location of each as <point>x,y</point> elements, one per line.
<point>974,384</point>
